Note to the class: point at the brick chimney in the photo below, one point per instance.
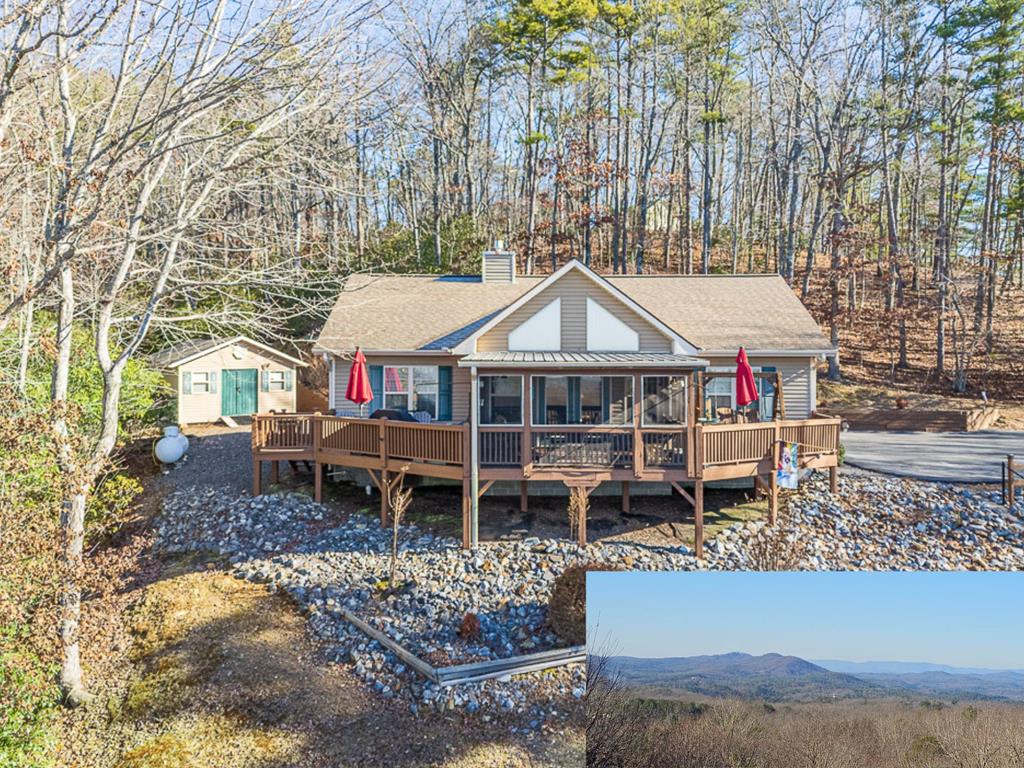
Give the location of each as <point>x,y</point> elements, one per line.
<point>499,265</point>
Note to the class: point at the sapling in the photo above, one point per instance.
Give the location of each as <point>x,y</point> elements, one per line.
<point>400,499</point>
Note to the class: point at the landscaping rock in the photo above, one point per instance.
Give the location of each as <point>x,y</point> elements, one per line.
<point>286,542</point>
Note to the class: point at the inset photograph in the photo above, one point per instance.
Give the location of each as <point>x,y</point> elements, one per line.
<point>795,670</point>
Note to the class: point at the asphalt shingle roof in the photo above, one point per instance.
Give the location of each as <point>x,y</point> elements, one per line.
<point>431,312</point>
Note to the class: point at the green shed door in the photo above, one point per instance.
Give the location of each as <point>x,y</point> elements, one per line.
<point>238,392</point>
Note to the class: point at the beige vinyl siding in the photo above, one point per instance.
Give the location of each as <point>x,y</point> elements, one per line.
<point>460,378</point>
<point>573,289</point>
<point>797,380</point>
<point>205,407</point>
<point>498,267</point>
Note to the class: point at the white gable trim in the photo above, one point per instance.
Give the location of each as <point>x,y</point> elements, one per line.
<point>680,346</point>
<point>606,333</point>
<point>540,333</point>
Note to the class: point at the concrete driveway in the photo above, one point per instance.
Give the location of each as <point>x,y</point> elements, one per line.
<point>959,457</point>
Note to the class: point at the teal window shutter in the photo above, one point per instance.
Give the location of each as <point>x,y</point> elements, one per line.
<point>186,383</point>
<point>444,393</point>
<point>377,385</point>
<point>575,414</point>
<point>539,400</point>
<point>213,382</point>
<point>265,381</point>
<point>289,380</point>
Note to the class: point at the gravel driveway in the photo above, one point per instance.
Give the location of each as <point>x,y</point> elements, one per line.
<point>217,455</point>
<point>964,457</point>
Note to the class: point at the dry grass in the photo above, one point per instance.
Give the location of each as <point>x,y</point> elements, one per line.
<point>884,734</point>
<point>864,395</point>
<point>221,673</point>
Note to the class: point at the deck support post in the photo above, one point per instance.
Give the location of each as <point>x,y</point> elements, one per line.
<point>385,503</point>
<point>625,496</point>
<point>833,480</point>
<point>318,480</point>
<point>466,494</point>
<point>698,518</point>
<point>773,477</point>
<point>523,497</point>
<point>274,469</point>
<point>1011,471</point>
<point>474,458</point>
<point>257,477</point>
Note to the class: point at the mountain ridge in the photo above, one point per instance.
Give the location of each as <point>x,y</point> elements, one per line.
<point>780,677</point>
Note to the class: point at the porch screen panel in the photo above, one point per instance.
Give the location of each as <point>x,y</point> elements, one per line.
<point>501,400</point>
<point>664,400</point>
<point>617,399</point>
<point>595,400</point>
<point>590,400</point>
<point>551,399</point>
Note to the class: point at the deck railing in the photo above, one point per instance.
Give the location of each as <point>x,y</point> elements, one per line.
<point>572,446</point>
<point>714,447</point>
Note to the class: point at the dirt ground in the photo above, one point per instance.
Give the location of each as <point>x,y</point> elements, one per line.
<point>655,520</point>
<point>191,668</point>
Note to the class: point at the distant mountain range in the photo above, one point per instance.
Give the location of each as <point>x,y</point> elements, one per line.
<point>777,678</point>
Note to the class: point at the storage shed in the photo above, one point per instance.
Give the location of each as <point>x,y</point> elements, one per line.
<point>230,377</point>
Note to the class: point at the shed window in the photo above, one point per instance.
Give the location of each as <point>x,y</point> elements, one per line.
<point>200,382</point>
<point>275,382</point>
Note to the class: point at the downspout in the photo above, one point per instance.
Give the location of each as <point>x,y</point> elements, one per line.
<point>474,456</point>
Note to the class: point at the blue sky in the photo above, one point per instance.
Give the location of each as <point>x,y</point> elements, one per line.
<point>961,619</point>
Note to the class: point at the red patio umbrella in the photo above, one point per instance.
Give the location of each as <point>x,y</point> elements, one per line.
<point>746,388</point>
<point>358,389</point>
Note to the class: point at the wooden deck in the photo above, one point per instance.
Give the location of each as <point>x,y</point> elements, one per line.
<point>578,456</point>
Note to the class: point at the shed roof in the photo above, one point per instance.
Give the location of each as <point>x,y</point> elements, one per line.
<point>717,313</point>
<point>190,349</point>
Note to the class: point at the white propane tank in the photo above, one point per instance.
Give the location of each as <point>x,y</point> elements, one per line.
<point>171,446</point>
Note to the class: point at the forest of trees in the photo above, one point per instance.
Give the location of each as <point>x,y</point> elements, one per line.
<point>215,166</point>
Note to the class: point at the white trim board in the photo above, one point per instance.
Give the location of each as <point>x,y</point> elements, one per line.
<point>606,333</point>
<point>542,332</point>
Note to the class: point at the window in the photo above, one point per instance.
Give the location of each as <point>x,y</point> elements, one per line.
<point>275,381</point>
<point>200,383</point>
<point>720,392</point>
<point>418,393</point>
<point>501,400</point>
<point>582,400</point>
<point>664,400</point>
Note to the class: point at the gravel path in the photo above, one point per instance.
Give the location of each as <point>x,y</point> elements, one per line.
<point>949,457</point>
<point>217,456</point>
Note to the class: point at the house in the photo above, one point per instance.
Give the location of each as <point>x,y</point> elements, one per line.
<point>579,378</point>
<point>235,376</point>
<point>423,334</point>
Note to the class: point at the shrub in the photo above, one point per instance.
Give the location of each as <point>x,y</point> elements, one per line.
<point>110,502</point>
<point>27,709</point>
<point>469,629</point>
<point>567,606</point>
